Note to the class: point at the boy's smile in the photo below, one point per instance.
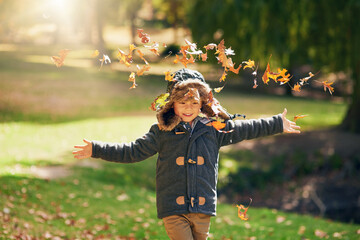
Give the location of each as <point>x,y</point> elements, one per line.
<point>187,110</point>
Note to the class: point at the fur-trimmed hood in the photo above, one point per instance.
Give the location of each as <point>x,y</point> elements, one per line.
<point>188,84</point>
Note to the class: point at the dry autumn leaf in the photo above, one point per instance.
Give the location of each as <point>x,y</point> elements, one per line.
<point>249,64</point>
<point>299,116</point>
<point>132,79</point>
<point>217,90</point>
<point>306,79</point>
<point>95,54</point>
<point>169,77</point>
<point>154,48</point>
<point>105,60</point>
<point>59,60</point>
<point>297,87</point>
<point>218,125</point>
<point>327,85</point>
<point>242,211</point>
<point>145,38</point>
<point>143,69</point>
<point>265,77</point>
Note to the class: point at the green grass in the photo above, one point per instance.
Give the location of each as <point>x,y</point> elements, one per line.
<point>45,110</point>
<point>114,199</point>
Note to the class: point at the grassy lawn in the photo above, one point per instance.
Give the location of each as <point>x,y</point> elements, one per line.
<point>44,111</point>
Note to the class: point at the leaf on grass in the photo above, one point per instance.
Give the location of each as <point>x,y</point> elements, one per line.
<point>321,234</point>
<point>242,211</point>
<point>59,60</point>
<point>280,219</point>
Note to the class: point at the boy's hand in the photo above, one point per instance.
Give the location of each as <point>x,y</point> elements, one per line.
<point>85,152</point>
<point>289,126</point>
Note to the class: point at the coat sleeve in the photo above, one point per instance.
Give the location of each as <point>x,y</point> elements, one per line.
<point>249,129</point>
<point>135,151</point>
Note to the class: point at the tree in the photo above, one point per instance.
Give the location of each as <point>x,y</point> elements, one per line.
<point>323,33</point>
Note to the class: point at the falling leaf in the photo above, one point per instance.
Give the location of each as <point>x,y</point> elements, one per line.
<point>211,46</point>
<point>255,84</point>
<point>154,48</point>
<point>218,125</point>
<point>328,86</point>
<point>223,76</point>
<point>59,60</point>
<point>204,57</point>
<point>141,55</point>
<point>145,38</point>
<point>184,59</point>
<point>126,59</point>
<point>306,79</point>
<point>143,69</point>
<point>217,90</point>
<point>169,77</point>
<point>265,77</point>
<point>132,79</point>
<point>159,102</point>
<point>249,64</point>
<point>297,87</point>
<point>105,60</point>
<point>281,76</point>
<point>95,54</point>
<point>242,215</point>
<point>229,51</point>
<point>299,116</point>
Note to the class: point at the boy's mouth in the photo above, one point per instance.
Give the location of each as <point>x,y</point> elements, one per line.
<point>187,115</point>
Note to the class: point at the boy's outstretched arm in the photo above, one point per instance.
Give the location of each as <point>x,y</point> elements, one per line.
<point>289,126</point>
<point>85,152</point>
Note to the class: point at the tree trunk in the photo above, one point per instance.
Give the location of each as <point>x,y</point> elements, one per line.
<point>351,121</point>
<point>99,26</point>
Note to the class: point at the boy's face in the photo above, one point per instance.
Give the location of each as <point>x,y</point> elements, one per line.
<point>187,110</point>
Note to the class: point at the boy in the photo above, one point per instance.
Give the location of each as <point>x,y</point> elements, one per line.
<point>188,147</point>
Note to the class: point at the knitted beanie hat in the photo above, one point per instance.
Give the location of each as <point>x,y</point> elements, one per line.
<point>188,84</point>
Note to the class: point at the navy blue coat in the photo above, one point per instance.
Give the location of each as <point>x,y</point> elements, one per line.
<point>187,165</point>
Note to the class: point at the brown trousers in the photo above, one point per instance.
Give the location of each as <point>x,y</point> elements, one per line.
<point>190,226</point>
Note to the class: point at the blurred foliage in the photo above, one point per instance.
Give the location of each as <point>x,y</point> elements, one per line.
<point>322,33</point>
